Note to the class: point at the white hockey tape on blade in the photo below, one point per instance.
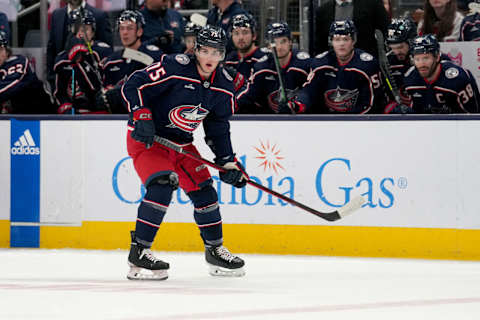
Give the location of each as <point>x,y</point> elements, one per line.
<point>137,56</point>
<point>198,19</point>
<point>350,207</point>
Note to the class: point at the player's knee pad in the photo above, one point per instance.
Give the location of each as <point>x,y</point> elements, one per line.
<point>165,178</point>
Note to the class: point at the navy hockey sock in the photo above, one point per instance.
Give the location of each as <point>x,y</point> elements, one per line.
<point>207,215</point>
<point>151,212</point>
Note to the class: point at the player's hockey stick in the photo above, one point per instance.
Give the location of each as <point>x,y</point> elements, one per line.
<point>347,209</point>
<point>283,95</point>
<point>198,19</point>
<point>385,66</point>
<point>137,56</point>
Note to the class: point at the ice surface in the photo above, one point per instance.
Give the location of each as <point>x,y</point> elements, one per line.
<point>84,284</point>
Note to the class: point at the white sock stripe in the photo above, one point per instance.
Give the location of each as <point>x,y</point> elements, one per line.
<point>209,224</point>
<point>156,205</point>
<point>148,223</point>
<point>209,208</point>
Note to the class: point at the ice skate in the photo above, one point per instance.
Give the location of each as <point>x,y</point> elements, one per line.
<point>144,265</point>
<point>222,263</point>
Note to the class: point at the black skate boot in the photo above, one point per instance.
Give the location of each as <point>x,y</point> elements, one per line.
<point>222,263</point>
<point>143,264</point>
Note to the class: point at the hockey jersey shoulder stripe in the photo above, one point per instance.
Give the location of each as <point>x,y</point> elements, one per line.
<point>172,77</point>
<point>298,70</point>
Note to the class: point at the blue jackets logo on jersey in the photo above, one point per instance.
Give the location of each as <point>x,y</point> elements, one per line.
<point>341,99</point>
<point>187,118</point>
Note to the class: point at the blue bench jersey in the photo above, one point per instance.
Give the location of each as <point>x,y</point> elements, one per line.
<point>453,91</point>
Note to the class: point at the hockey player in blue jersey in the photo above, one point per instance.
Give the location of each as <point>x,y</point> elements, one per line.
<point>169,99</point>
<point>120,64</point>
<point>261,94</point>
<point>77,69</point>
<point>343,79</point>
<point>20,90</point>
<point>400,33</point>
<point>436,86</point>
<point>243,34</point>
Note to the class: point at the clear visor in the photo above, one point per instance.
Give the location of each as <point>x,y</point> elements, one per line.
<point>211,53</point>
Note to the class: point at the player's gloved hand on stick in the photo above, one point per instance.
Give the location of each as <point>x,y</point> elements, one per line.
<point>144,130</point>
<point>394,107</point>
<point>238,78</point>
<point>290,107</point>
<point>235,173</point>
<point>76,49</point>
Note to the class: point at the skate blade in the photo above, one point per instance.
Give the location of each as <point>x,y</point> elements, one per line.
<point>217,271</point>
<point>137,273</point>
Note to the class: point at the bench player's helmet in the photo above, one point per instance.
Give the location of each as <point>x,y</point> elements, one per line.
<point>132,16</point>
<point>191,29</point>
<point>79,17</point>
<point>343,27</point>
<point>400,30</point>
<point>243,21</point>
<point>277,30</point>
<point>425,44</point>
<point>3,39</point>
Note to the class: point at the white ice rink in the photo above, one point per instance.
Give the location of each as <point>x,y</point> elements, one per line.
<point>80,284</point>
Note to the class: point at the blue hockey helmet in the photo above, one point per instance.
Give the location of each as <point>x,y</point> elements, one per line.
<point>81,16</point>
<point>211,36</point>
<point>3,39</point>
<point>342,27</point>
<point>243,21</point>
<point>277,30</point>
<point>132,16</point>
<point>400,30</point>
<point>191,29</point>
<point>425,44</point>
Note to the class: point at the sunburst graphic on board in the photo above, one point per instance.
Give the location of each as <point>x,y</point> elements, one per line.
<point>269,156</point>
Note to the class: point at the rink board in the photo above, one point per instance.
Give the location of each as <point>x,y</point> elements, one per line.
<point>420,179</point>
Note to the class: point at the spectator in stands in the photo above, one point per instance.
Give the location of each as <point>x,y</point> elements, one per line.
<point>20,90</point>
<point>190,36</point>
<point>59,31</point>
<point>78,75</point>
<point>367,15</point>
<point>4,25</point>
<point>221,14</point>
<point>119,65</point>
<point>163,26</point>
<point>247,53</point>
<point>470,27</point>
<point>388,8</point>
<point>442,19</point>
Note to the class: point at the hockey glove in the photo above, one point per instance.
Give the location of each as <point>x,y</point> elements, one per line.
<point>76,49</point>
<point>235,173</point>
<point>238,78</point>
<point>144,130</point>
<point>291,107</point>
<point>165,39</point>
<point>110,100</point>
<point>394,107</point>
